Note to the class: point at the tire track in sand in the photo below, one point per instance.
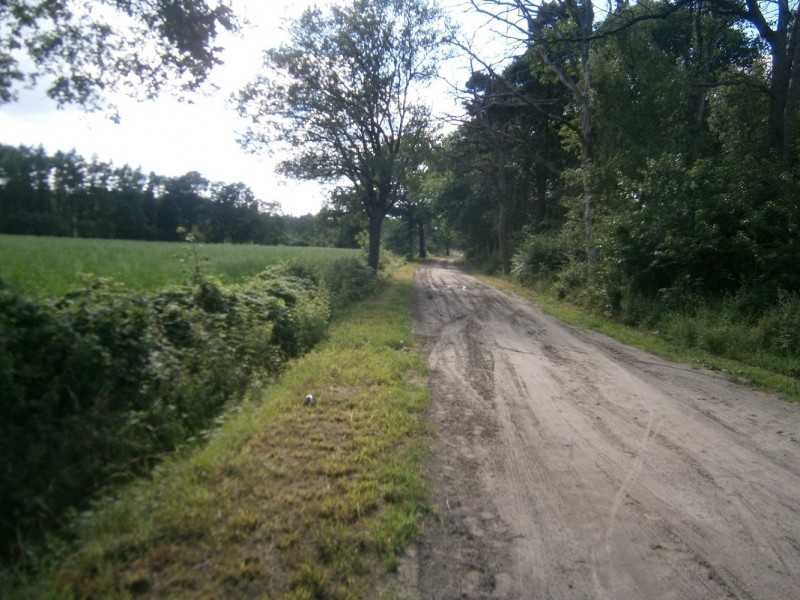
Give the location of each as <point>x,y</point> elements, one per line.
<point>566,465</point>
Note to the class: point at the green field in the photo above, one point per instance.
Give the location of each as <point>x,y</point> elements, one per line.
<point>49,266</point>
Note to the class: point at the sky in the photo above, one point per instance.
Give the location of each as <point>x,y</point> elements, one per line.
<point>171,138</point>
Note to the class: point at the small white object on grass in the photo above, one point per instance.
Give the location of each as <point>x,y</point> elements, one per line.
<point>310,400</point>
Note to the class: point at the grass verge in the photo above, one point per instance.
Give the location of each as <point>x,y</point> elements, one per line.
<point>785,385</point>
<point>286,500</point>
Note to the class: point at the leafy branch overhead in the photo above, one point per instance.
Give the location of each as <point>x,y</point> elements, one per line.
<point>81,51</point>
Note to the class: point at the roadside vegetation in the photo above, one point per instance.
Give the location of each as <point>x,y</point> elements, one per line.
<point>285,498</point>
<point>715,335</point>
<point>104,382</point>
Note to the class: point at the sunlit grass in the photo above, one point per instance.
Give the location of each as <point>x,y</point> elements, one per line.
<point>51,266</point>
<point>286,500</point>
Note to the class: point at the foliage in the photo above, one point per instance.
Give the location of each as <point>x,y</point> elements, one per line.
<point>538,257</point>
<point>500,171</point>
<point>285,499</point>
<point>781,326</point>
<point>101,383</point>
<point>663,137</point>
<point>716,227</point>
<point>339,96</point>
<point>68,196</point>
<point>349,280</point>
<point>65,195</point>
<point>83,51</point>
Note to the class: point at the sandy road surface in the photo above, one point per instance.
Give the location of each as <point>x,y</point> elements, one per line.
<point>569,466</point>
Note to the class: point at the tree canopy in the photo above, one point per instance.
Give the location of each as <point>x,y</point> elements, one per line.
<point>342,97</point>
<point>66,195</point>
<point>83,50</point>
<point>650,155</point>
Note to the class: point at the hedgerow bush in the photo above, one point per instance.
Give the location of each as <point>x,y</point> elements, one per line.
<point>539,257</point>
<point>98,385</point>
<point>349,280</point>
<point>781,325</point>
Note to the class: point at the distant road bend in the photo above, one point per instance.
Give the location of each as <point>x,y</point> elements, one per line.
<point>567,465</point>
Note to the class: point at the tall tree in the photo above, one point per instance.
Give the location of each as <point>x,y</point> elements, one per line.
<point>464,167</point>
<point>84,49</point>
<point>778,25</point>
<point>663,71</point>
<point>560,33</point>
<point>490,122</point>
<point>341,95</point>
<point>181,204</point>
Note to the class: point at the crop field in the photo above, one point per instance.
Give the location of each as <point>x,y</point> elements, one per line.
<point>49,267</point>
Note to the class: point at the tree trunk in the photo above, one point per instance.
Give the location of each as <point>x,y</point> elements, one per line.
<point>779,87</point>
<point>540,198</point>
<point>421,230</point>
<point>792,93</point>
<point>502,238</point>
<point>784,88</point>
<point>585,87</point>
<point>374,231</point>
<point>502,203</point>
<point>582,12</point>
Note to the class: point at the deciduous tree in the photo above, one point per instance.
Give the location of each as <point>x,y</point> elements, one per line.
<point>342,96</point>
<point>560,33</point>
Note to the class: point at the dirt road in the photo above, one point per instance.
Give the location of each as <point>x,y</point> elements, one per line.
<point>566,465</point>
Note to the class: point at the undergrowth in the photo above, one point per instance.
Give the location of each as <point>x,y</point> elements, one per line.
<point>101,384</point>
<point>759,350</point>
<point>287,499</point>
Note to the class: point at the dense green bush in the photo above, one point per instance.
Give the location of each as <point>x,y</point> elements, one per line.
<point>781,325</point>
<point>538,257</point>
<point>99,384</point>
<point>733,326</point>
<point>349,280</point>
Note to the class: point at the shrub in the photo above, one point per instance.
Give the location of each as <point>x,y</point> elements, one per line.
<point>781,325</point>
<point>349,280</point>
<point>97,385</point>
<point>538,257</point>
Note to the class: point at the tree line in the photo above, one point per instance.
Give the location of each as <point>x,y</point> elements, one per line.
<point>645,150</point>
<point>66,195</point>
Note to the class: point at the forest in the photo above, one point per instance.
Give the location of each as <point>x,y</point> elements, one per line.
<point>636,157</point>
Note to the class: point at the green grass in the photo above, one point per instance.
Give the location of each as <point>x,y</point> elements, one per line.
<point>49,267</point>
<point>285,500</point>
<point>756,369</point>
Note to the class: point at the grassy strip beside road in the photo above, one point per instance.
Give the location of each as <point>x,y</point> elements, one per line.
<point>286,500</point>
<point>762,371</point>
